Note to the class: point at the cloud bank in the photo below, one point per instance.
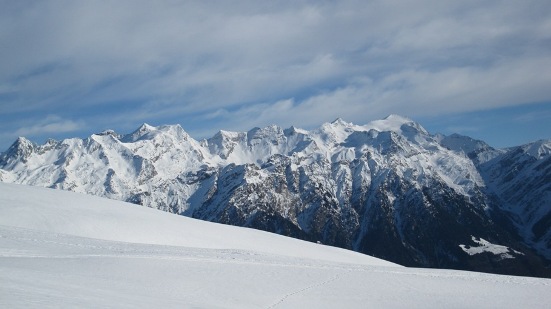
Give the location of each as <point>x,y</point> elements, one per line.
<point>239,64</point>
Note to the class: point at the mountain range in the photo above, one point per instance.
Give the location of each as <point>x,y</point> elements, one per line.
<point>389,188</point>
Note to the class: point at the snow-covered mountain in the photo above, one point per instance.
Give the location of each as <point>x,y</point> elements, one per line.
<point>65,250</point>
<point>521,179</point>
<point>389,188</point>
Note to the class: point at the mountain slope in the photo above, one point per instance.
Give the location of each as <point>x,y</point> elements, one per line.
<point>388,188</point>
<point>138,257</point>
<point>521,178</point>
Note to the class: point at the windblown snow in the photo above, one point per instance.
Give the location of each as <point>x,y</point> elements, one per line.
<point>63,249</point>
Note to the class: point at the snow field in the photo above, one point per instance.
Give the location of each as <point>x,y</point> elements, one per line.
<point>66,250</point>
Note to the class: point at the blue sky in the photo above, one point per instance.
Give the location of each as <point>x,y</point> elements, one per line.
<point>73,68</point>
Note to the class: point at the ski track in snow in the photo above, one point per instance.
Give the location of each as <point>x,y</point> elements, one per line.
<point>313,286</point>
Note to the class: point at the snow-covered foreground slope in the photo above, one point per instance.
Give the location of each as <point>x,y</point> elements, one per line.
<point>61,249</point>
<point>81,215</point>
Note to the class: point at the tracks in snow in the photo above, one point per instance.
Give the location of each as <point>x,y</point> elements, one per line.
<point>309,287</point>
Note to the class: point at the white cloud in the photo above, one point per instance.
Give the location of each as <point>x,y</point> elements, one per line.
<point>250,63</point>
<point>413,93</point>
<point>50,124</point>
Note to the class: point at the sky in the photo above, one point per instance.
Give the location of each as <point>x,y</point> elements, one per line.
<point>74,68</point>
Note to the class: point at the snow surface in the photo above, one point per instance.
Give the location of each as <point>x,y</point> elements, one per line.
<point>538,149</point>
<point>486,246</point>
<point>61,249</point>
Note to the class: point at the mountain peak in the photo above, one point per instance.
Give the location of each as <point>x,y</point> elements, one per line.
<point>397,118</point>
<point>339,121</point>
<point>462,143</point>
<point>263,132</point>
<point>138,133</point>
<point>539,149</point>
<point>21,149</point>
<point>167,128</point>
<point>223,134</point>
<point>23,141</point>
<point>146,128</point>
<point>394,123</point>
<point>22,144</point>
<point>294,130</point>
<point>108,132</point>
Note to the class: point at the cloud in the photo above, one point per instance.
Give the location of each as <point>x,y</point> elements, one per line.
<point>414,93</point>
<point>250,63</point>
<point>39,128</point>
<point>462,129</point>
<point>50,124</point>
<point>531,117</point>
